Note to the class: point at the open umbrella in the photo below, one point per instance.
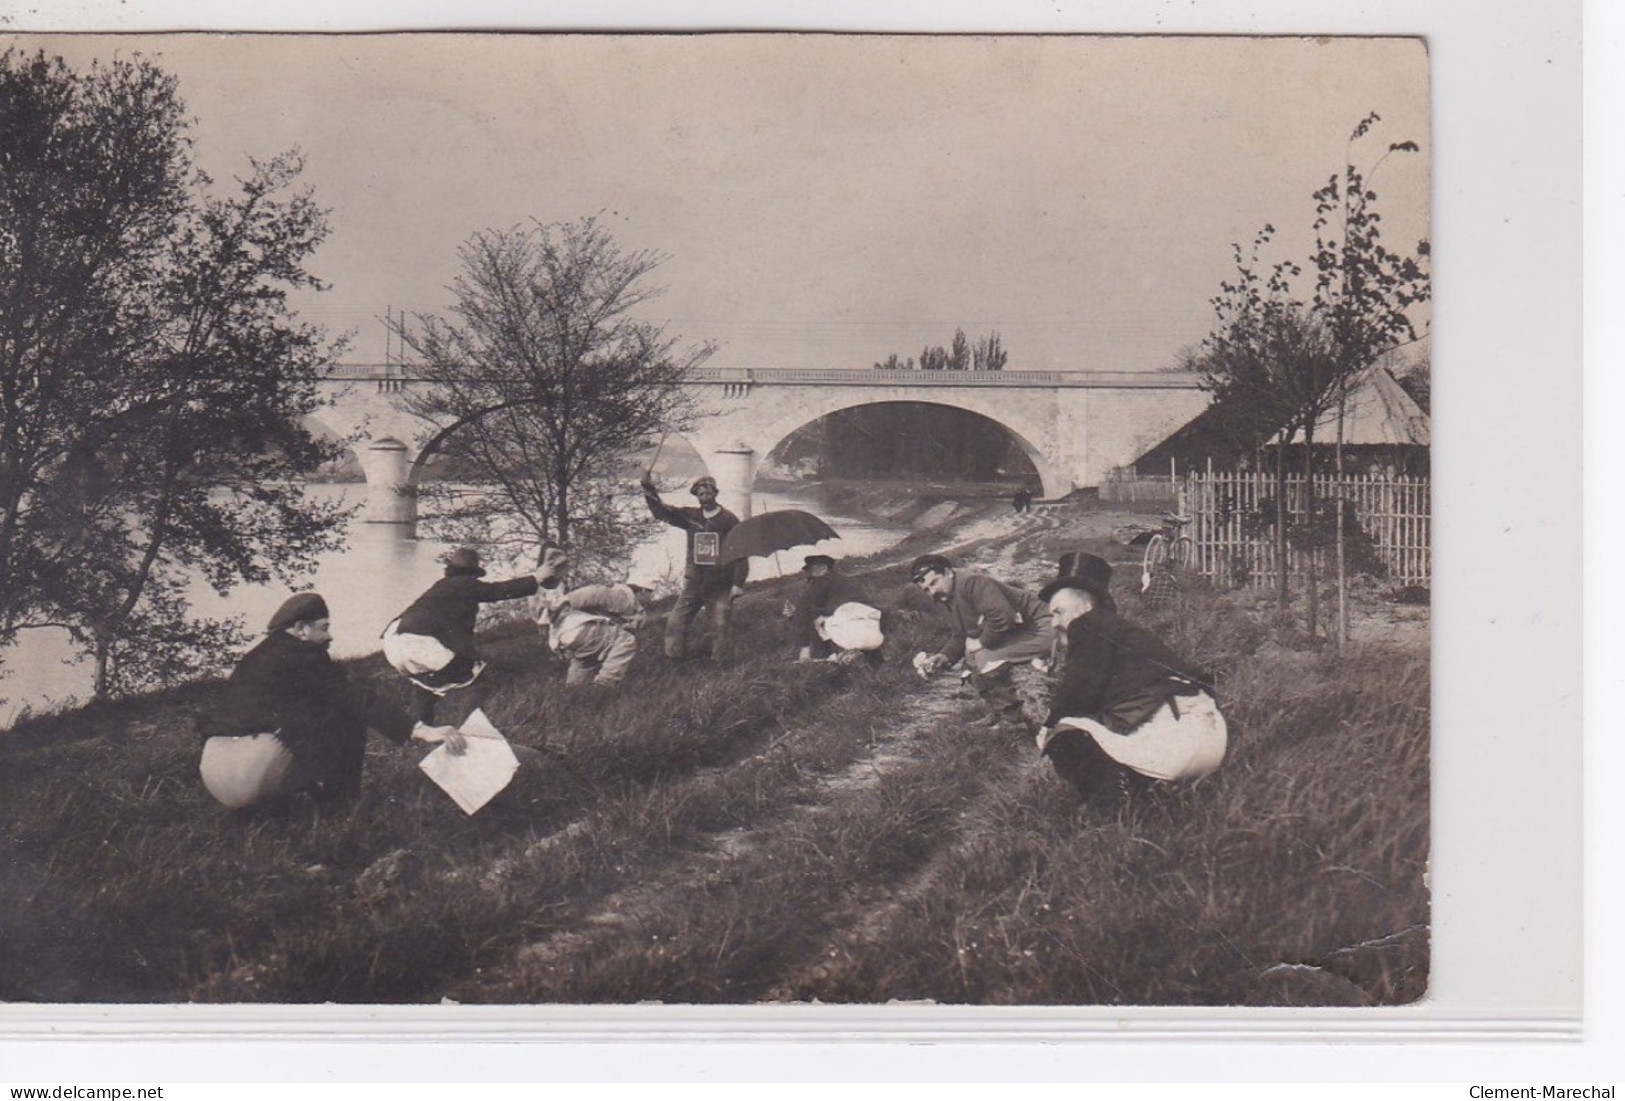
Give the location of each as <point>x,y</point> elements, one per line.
<point>761,535</point>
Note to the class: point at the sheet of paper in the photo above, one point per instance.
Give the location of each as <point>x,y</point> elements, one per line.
<point>474,777</point>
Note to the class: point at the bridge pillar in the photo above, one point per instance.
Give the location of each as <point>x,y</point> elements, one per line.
<point>389,496</point>
<point>735,471</point>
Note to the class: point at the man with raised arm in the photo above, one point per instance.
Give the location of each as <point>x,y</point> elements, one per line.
<point>706,580</point>
<point>432,642</point>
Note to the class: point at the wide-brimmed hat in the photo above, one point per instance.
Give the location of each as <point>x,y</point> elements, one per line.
<point>1079,570</point>
<point>928,563</point>
<point>299,608</point>
<point>817,560</point>
<point>465,560</point>
<point>702,480</point>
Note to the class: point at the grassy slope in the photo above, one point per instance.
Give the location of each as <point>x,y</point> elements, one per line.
<point>760,831</point>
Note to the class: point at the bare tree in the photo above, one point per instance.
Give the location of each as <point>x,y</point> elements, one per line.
<point>547,382</point>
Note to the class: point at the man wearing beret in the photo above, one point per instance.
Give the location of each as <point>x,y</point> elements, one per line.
<point>1128,711</point>
<point>291,720</point>
<point>705,579</point>
<point>995,627</point>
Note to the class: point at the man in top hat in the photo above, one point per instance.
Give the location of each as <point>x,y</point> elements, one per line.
<point>996,626</point>
<point>1127,710</point>
<point>291,720</point>
<point>432,642</point>
<point>705,579</point>
<point>594,627</point>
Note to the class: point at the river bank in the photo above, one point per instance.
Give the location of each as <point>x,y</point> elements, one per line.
<point>759,831</point>
<point>378,571</point>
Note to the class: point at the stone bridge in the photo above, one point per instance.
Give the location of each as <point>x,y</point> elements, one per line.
<point>1073,426</point>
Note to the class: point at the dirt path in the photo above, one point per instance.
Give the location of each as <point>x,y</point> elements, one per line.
<point>994,543</point>
<point>710,866</point>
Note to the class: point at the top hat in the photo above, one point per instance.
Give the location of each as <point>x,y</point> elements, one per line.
<point>1089,572</point>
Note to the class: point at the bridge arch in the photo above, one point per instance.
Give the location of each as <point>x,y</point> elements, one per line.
<point>733,446</point>
<point>784,427</point>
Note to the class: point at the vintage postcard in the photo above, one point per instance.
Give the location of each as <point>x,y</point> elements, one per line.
<point>941,521</point>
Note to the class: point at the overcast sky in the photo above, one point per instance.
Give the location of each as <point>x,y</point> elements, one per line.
<point>823,200</point>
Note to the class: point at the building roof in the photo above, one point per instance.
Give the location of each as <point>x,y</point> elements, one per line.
<point>1378,412</point>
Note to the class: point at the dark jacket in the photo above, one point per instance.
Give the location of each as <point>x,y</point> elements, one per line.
<point>986,609</point>
<point>821,597</point>
<point>1118,674</point>
<point>701,546</point>
<point>295,690</point>
<point>448,608</point>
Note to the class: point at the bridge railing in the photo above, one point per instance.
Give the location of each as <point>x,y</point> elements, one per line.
<point>742,378</point>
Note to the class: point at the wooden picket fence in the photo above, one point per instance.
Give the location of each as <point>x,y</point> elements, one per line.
<point>1387,525</point>
<point>1124,485</point>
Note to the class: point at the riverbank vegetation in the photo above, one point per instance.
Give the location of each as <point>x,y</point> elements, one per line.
<point>753,831</point>
<point>153,378</point>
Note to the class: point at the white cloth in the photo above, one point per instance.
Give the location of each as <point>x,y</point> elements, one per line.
<point>1167,746</point>
<point>414,654</point>
<point>242,771</point>
<point>485,768</point>
<point>852,626</point>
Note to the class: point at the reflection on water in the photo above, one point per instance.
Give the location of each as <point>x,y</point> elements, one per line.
<point>367,583</point>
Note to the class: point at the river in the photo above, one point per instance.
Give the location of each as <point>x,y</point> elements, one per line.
<point>369,581</point>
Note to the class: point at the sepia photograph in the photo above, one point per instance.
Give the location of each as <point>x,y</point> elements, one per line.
<point>729,519</point>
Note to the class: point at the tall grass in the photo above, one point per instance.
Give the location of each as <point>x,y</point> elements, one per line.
<point>747,832</point>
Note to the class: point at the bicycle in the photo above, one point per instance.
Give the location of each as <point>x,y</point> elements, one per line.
<point>1167,552</point>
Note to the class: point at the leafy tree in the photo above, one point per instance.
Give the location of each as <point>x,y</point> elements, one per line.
<point>546,382</point>
<point>986,354</point>
<point>1279,362</point>
<point>152,377</point>
<point>989,354</point>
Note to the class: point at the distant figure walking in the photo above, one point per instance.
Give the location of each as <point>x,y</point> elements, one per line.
<point>1127,710</point>
<point>431,644</point>
<point>292,721</point>
<point>1023,500</point>
<point>995,627</point>
<point>705,580</point>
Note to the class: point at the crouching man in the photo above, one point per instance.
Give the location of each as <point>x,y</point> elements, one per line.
<point>995,627</point>
<point>1127,711</point>
<point>292,720</point>
<point>830,622</point>
<point>594,627</point>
